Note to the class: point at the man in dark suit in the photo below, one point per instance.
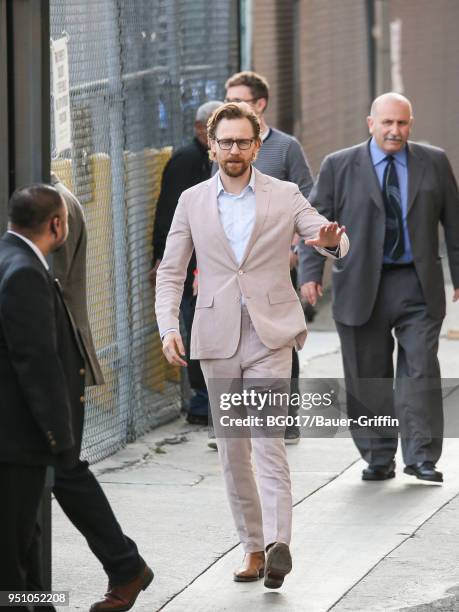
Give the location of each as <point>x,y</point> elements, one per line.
<point>391,194</point>
<point>188,166</point>
<point>75,486</point>
<point>39,372</point>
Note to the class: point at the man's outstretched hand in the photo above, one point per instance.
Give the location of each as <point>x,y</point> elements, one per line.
<point>173,349</point>
<point>329,236</point>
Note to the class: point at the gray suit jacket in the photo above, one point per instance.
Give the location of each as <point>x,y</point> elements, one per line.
<point>347,191</point>
<point>69,266</point>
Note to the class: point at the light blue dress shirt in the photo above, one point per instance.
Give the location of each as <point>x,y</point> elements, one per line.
<point>237,214</point>
<point>401,166</point>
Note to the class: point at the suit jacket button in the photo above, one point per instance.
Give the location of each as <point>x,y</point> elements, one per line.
<point>82,399</point>
<point>241,272</point>
<point>82,371</point>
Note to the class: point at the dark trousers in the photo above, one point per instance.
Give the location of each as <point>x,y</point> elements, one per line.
<point>414,396</point>
<point>85,504</point>
<point>82,499</point>
<point>22,489</point>
<point>293,409</point>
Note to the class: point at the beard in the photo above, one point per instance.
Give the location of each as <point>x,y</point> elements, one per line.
<point>230,168</point>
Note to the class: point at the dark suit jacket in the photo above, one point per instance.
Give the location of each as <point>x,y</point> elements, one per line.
<point>347,191</point>
<point>40,362</point>
<point>69,266</point>
<point>187,167</point>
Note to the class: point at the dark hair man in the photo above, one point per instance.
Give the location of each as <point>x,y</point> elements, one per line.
<point>39,364</point>
<point>282,157</point>
<point>75,487</point>
<point>188,166</point>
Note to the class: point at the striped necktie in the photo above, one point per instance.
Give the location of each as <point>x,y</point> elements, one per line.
<point>394,240</point>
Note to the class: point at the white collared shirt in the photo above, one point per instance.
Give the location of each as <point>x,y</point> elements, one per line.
<point>34,248</point>
<point>237,214</point>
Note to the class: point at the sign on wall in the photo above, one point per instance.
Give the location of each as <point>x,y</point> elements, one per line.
<point>61,95</point>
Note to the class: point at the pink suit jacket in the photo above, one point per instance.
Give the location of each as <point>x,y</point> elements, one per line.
<point>263,276</point>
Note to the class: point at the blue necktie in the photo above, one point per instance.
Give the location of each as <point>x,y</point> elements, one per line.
<point>394,240</point>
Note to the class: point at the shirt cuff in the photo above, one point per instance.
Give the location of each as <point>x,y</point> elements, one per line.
<point>171,329</point>
<point>334,250</point>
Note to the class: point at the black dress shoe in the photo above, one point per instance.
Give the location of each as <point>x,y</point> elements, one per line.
<point>379,472</point>
<point>424,471</point>
<point>197,419</point>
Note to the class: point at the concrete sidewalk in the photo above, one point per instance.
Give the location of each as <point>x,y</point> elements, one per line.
<point>356,545</point>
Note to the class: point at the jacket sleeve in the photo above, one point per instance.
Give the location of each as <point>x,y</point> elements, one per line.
<point>74,248</point>
<point>450,220</point>
<point>172,270</point>
<point>177,177</point>
<point>27,311</point>
<point>298,170</point>
<point>311,261</point>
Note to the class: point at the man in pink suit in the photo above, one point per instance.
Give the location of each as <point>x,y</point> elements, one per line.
<point>248,317</point>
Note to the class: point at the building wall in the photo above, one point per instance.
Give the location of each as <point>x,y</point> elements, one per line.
<point>430,69</point>
<point>315,54</point>
<point>272,55</point>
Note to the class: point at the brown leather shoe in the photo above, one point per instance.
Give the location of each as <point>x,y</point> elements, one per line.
<point>253,567</point>
<point>122,597</point>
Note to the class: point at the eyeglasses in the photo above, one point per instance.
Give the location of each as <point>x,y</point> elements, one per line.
<point>237,100</point>
<point>226,144</point>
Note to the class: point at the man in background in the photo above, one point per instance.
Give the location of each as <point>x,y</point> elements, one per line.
<point>391,194</point>
<point>75,487</point>
<point>283,157</point>
<point>188,166</point>
<point>69,266</point>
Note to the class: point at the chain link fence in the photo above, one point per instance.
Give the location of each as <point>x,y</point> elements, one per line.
<point>138,71</point>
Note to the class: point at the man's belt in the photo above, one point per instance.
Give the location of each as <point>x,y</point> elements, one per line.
<point>395,266</point>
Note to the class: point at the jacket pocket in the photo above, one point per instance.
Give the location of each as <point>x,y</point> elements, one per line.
<point>205,301</point>
<point>281,296</point>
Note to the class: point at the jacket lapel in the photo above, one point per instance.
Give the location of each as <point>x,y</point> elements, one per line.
<point>365,162</point>
<point>262,193</point>
<point>415,174</point>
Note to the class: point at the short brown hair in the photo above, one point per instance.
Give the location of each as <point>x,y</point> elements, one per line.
<point>258,85</point>
<point>233,110</point>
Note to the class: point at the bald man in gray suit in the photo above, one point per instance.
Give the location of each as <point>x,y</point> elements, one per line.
<point>391,194</point>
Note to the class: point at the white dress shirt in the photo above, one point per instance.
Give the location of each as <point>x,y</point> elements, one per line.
<point>237,214</point>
